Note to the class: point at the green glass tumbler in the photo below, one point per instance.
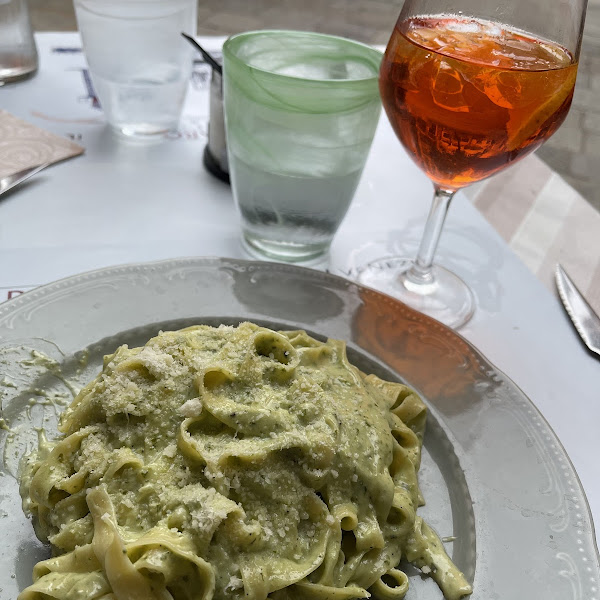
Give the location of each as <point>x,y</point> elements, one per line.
<point>301,111</point>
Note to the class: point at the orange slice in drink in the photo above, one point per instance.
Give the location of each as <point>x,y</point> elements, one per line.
<point>544,111</point>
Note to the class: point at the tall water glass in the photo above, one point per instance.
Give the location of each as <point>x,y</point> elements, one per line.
<point>18,54</point>
<point>301,110</point>
<point>139,63</point>
<point>470,87</point>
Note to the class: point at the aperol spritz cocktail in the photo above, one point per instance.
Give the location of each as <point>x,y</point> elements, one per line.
<point>468,97</point>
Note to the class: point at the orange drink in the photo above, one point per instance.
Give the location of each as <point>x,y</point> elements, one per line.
<point>467,97</point>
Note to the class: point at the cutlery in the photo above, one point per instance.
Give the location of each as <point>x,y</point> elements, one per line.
<point>8,182</point>
<point>584,318</point>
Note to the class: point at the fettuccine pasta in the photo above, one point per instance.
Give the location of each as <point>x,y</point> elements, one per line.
<point>233,463</point>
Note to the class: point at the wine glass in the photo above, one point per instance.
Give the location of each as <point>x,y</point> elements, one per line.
<point>470,86</point>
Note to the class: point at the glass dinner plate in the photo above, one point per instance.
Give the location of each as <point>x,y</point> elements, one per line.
<point>498,485</point>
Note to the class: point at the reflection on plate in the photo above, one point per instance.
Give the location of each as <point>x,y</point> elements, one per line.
<point>495,477</point>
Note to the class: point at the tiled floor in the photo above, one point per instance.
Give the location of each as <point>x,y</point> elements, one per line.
<point>574,151</point>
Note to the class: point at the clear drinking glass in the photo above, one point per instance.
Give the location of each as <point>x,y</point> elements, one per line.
<point>470,86</point>
<point>139,63</point>
<point>18,53</point>
<point>301,110</point>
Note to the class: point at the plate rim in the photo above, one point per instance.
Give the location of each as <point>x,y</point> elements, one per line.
<point>13,306</point>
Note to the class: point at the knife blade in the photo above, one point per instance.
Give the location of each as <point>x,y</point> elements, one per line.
<point>586,321</point>
<point>8,182</point>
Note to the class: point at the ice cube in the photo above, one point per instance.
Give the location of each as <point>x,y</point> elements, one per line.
<point>447,88</point>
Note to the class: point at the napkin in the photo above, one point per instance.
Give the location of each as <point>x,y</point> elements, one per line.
<point>23,145</point>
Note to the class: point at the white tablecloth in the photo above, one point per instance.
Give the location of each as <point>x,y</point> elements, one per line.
<point>125,202</point>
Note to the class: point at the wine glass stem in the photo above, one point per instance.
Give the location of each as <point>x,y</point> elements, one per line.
<point>420,272</point>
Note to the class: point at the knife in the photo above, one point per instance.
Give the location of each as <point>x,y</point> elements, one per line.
<point>8,182</point>
<point>584,318</point>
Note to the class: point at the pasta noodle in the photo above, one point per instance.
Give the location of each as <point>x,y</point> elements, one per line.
<point>230,463</point>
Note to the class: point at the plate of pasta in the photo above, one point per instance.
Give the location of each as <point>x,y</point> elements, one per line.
<point>215,428</point>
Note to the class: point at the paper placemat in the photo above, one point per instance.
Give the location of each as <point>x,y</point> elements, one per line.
<point>23,145</point>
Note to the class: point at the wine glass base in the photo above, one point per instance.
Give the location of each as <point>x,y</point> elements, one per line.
<point>446,298</point>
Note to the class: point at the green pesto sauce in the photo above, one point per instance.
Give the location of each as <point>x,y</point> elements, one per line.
<point>233,463</point>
